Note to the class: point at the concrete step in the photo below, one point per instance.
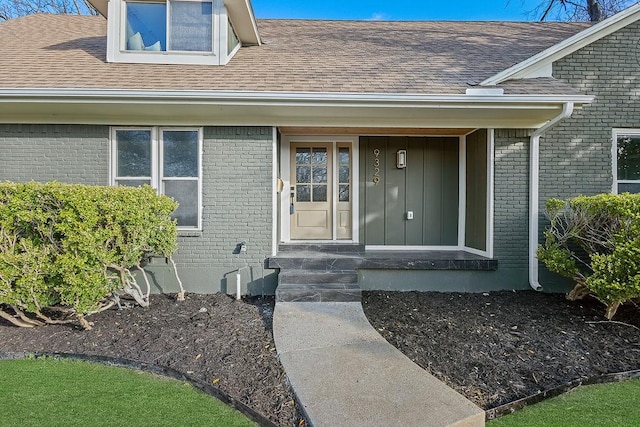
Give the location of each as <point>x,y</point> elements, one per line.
<point>323,292</point>
<point>318,286</point>
<point>314,277</point>
<point>284,261</point>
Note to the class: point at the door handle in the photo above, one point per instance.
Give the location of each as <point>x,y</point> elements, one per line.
<point>292,208</point>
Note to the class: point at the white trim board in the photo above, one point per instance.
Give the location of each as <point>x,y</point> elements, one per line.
<point>540,65</point>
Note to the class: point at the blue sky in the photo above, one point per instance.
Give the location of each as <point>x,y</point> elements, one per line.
<point>478,10</point>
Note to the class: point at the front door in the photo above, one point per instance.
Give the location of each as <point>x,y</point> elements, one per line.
<point>311,191</point>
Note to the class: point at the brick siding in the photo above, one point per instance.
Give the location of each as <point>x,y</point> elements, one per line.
<point>237,204</point>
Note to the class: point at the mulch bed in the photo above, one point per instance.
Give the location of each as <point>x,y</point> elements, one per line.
<point>498,347</point>
<point>212,338</point>
<point>492,348</point>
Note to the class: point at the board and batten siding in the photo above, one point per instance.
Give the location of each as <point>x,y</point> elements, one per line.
<point>428,187</point>
<point>237,197</point>
<point>476,191</point>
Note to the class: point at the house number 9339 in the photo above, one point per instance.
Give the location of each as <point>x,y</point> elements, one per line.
<point>376,166</point>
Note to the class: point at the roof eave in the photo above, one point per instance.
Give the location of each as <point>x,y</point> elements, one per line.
<point>251,97</point>
<point>568,46</point>
<point>348,110</point>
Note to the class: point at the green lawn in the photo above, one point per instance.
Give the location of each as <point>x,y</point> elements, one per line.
<point>49,392</point>
<point>615,404</point>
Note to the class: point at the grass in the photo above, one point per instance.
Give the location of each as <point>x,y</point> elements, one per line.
<point>49,392</point>
<point>614,404</point>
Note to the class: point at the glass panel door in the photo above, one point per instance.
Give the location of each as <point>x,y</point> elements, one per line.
<point>311,195</point>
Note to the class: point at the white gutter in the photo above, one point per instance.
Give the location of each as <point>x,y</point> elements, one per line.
<point>281,98</point>
<point>534,192</point>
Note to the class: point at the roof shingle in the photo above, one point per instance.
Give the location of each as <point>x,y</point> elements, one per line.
<point>58,51</point>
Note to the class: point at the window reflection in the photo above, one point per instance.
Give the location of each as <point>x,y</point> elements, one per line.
<point>319,193</point>
<point>303,156</point>
<point>319,156</point>
<point>303,193</point>
<point>343,193</point>
<point>629,157</point>
<point>303,174</point>
<point>319,174</point>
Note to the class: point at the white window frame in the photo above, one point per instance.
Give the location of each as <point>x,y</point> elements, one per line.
<point>616,133</point>
<point>116,38</point>
<point>157,177</point>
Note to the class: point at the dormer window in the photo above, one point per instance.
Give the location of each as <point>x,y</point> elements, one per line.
<point>181,26</point>
<point>171,32</point>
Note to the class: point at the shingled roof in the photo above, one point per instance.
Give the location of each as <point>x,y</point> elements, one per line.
<point>58,51</point>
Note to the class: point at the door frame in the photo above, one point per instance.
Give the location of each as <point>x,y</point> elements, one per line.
<point>285,174</point>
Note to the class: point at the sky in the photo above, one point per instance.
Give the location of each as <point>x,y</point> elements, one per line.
<point>392,10</point>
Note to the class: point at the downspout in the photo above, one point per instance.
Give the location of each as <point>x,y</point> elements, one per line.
<point>534,192</point>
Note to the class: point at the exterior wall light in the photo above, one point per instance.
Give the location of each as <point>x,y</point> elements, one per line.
<point>401,159</point>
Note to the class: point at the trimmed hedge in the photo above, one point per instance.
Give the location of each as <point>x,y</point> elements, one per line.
<point>596,242</point>
<point>69,248</point>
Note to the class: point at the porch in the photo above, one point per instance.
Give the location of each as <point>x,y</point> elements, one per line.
<point>332,272</point>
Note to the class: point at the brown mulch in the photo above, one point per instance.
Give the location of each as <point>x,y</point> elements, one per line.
<point>493,348</point>
<point>498,347</point>
<point>212,338</point>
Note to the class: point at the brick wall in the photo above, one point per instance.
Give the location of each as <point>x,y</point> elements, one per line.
<point>237,206</point>
<point>511,206</point>
<point>575,156</point>
<point>72,154</point>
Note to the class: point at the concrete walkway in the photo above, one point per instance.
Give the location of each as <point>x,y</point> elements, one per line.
<point>346,374</point>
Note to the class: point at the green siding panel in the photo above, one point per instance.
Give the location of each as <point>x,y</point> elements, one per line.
<point>428,187</point>
<point>374,194</point>
<point>476,197</point>
<point>395,193</point>
<point>451,189</point>
<point>415,190</point>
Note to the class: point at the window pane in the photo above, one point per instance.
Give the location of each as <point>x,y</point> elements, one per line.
<point>343,156</point>
<point>629,157</point>
<point>303,174</point>
<point>191,27</point>
<point>319,193</point>
<point>232,39</point>
<point>186,194</point>
<point>134,152</point>
<point>629,187</point>
<point>319,174</point>
<point>303,193</point>
<point>180,153</point>
<point>146,26</point>
<point>303,156</point>
<point>319,156</point>
<point>343,174</point>
<point>344,193</point>
<point>132,182</point>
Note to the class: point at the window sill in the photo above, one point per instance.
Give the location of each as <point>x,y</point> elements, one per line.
<point>170,58</point>
<point>189,233</point>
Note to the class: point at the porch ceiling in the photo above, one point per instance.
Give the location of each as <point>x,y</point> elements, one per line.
<point>292,130</point>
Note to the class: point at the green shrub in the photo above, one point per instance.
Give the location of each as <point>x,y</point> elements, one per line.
<point>596,242</point>
<point>70,248</point>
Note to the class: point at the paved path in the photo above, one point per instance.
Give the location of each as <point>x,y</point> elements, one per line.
<point>346,374</point>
